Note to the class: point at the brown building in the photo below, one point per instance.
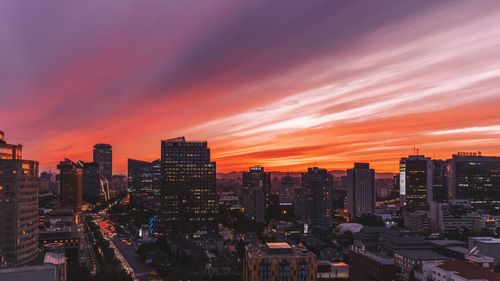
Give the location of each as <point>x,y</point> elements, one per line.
<point>365,265</point>
<point>279,262</point>
<point>70,178</point>
<point>18,205</point>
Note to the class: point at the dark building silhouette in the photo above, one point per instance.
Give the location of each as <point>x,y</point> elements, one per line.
<point>144,183</point>
<point>70,178</point>
<point>18,205</point>
<point>103,155</point>
<point>440,180</point>
<point>475,177</point>
<point>257,177</point>
<point>188,186</point>
<point>360,190</point>
<point>91,182</point>
<point>315,198</point>
<point>416,181</point>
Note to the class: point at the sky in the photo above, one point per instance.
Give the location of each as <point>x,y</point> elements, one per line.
<point>282,84</point>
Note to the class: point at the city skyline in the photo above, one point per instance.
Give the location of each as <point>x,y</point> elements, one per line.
<point>366,85</point>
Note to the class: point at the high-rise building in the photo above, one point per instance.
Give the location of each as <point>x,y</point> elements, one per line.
<point>316,198</point>
<point>103,154</point>
<point>18,205</point>
<point>140,176</point>
<point>70,178</point>
<point>119,186</point>
<point>188,186</point>
<point>475,177</point>
<point>256,177</point>
<point>253,203</point>
<point>416,181</point>
<point>440,181</point>
<point>360,190</point>
<point>279,261</point>
<point>91,182</point>
<point>286,190</point>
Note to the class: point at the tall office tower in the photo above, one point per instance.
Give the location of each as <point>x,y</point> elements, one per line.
<point>256,177</point>
<point>70,178</point>
<point>316,196</point>
<point>440,181</point>
<point>415,181</point>
<point>156,177</point>
<point>91,182</point>
<point>140,176</point>
<point>119,186</point>
<point>286,190</point>
<point>279,261</point>
<point>103,155</point>
<point>360,190</point>
<point>475,177</point>
<point>188,186</point>
<point>18,205</point>
<point>253,203</point>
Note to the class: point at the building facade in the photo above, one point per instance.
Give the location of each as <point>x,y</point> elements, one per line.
<point>315,198</point>
<point>253,200</point>
<point>279,261</point>
<point>360,190</point>
<point>188,186</point>
<point>18,205</point>
<point>71,182</point>
<point>415,178</point>
<point>103,154</point>
<point>257,177</point>
<point>475,178</point>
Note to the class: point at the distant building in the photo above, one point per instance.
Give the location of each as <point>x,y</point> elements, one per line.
<point>188,186</point>
<point>144,183</point>
<point>475,177</point>
<point>440,192</point>
<point>257,177</point>
<point>286,190</point>
<point>315,198</point>
<point>360,190</point>
<point>118,186</point>
<point>253,200</point>
<point>456,215</point>
<point>71,180</point>
<point>417,222</point>
<point>279,261</point>
<point>91,182</point>
<point>103,154</point>
<point>415,181</point>
<point>18,205</point>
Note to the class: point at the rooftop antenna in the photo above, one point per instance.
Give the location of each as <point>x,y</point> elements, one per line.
<point>418,151</point>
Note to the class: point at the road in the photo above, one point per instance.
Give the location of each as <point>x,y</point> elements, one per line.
<point>142,271</point>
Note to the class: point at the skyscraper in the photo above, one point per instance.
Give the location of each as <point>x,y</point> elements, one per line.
<point>360,190</point>
<point>440,176</point>
<point>316,198</point>
<point>256,177</point>
<point>70,178</point>
<point>103,155</point>
<point>18,205</point>
<point>91,182</point>
<point>416,181</point>
<point>253,203</point>
<point>188,186</point>
<point>475,177</point>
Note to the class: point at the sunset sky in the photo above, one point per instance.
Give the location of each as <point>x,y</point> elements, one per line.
<point>284,84</point>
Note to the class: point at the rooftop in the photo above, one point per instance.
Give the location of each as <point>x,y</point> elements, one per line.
<point>278,245</point>
<point>469,270</point>
<point>486,240</point>
<point>421,255</point>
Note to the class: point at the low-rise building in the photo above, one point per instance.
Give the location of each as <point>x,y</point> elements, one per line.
<point>281,260</point>
<point>487,246</point>
<point>417,222</point>
<point>410,261</point>
<point>332,271</point>
<point>456,270</point>
<point>375,266</point>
